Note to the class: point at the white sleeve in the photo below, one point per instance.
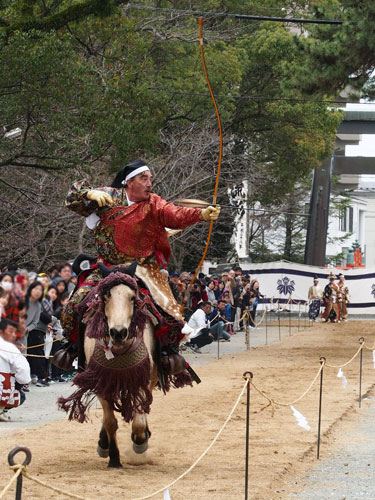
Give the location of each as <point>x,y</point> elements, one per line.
<point>20,368</point>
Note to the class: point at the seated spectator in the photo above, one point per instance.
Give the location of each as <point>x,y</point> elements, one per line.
<point>218,320</point>
<point>14,370</point>
<point>199,322</point>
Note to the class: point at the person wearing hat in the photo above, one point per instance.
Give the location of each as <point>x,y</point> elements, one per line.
<point>129,224</point>
<point>315,295</point>
<point>331,296</point>
<point>344,297</point>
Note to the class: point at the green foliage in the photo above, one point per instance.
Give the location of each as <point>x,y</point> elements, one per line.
<point>92,84</point>
<point>337,56</point>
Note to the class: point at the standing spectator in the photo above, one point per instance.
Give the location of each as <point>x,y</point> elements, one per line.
<point>60,285</point>
<point>331,295</point>
<point>245,302</point>
<point>11,308</point>
<point>315,297</point>
<point>198,294</point>
<point>237,297</point>
<point>174,283</point>
<point>255,295</point>
<point>220,290</point>
<point>344,297</point>
<point>14,370</point>
<point>65,272</point>
<point>53,300</point>
<point>34,336</point>
<point>4,298</point>
<point>210,290</point>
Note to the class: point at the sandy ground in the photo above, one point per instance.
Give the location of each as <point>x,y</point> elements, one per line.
<point>185,421</point>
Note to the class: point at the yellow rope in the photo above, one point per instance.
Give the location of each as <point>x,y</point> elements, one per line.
<point>273,402</point>
<point>350,360</point>
<point>26,355</point>
<point>19,469</point>
<point>45,343</point>
<point>53,488</point>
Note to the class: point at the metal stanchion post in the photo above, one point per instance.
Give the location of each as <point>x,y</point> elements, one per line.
<point>247,376</point>
<point>299,314</point>
<point>266,323</point>
<point>290,324</point>
<point>361,341</point>
<point>27,460</point>
<point>305,316</point>
<point>247,335</point>
<point>218,347</point>
<point>278,317</point>
<point>322,360</point>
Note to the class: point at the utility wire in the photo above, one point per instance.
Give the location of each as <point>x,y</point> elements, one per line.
<point>270,212</point>
<point>261,98</point>
<point>243,17</point>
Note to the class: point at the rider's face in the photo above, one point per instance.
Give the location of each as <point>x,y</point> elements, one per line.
<point>139,187</point>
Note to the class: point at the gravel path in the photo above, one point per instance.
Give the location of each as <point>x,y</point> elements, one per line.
<point>348,472</point>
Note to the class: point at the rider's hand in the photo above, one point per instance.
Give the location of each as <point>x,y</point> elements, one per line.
<point>101,198</point>
<point>210,213</point>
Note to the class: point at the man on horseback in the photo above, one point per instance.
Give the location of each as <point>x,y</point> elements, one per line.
<point>129,224</point>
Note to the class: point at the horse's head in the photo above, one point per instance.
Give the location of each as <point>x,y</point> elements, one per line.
<point>112,309</point>
<point>119,309</point>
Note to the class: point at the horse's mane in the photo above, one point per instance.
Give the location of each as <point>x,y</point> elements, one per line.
<point>92,307</point>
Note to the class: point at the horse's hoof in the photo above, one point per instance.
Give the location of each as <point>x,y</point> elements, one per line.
<point>115,464</point>
<point>102,453</point>
<point>140,448</point>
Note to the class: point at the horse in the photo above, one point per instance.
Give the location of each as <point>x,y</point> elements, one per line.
<point>118,328</point>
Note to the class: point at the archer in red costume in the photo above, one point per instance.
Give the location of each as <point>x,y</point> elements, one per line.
<point>129,223</point>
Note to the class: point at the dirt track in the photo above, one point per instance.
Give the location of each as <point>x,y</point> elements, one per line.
<point>185,422</point>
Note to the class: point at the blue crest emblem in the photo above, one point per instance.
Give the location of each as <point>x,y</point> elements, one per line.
<point>285,286</point>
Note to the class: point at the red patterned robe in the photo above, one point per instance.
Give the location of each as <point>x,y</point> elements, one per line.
<point>125,233</point>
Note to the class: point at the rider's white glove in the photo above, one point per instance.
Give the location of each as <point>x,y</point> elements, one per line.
<point>210,213</point>
<point>101,198</point>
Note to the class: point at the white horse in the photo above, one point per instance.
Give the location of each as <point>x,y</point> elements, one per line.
<point>119,308</point>
<point>119,347</point>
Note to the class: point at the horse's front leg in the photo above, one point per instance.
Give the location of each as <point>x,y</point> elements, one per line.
<point>110,426</point>
<point>140,430</point>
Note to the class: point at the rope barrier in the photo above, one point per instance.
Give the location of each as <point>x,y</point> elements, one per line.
<point>26,355</point>
<point>272,402</point>
<point>350,360</point>
<point>21,469</point>
<point>169,485</point>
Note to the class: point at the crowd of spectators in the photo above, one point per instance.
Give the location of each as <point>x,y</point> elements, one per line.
<point>215,304</point>
<point>34,302</point>
<point>31,306</point>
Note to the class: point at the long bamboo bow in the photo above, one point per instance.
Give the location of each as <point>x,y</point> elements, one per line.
<point>200,36</point>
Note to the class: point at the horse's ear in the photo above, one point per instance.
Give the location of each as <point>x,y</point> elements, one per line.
<point>131,269</point>
<point>104,269</point>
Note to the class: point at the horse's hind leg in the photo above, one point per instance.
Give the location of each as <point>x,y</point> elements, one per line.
<point>110,428</point>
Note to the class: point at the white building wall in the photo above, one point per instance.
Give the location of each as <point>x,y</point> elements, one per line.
<point>336,230</point>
